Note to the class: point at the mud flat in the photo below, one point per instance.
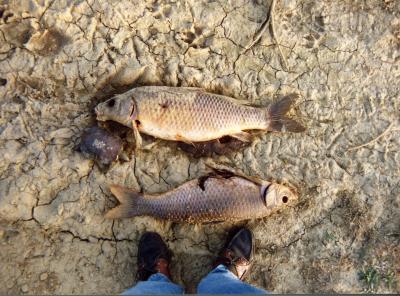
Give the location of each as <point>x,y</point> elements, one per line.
<point>58,59</point>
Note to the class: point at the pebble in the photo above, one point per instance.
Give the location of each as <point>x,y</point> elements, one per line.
<point>44,276</point>
<point>10,284</point>
<point>24,288</point>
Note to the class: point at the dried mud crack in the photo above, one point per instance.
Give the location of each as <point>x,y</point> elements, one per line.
<point>60,59</point>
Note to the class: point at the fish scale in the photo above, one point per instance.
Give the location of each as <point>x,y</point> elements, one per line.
<point>221,199</point>
<point>214,201</point>
<point>193,115</point>
<point>208,205</point>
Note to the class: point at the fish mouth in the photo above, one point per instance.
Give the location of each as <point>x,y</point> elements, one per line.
<point>97,112</point>
<point>100,118</point>
<point>99,115</point>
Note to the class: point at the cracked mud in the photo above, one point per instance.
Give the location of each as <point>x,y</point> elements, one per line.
<point>58,59</point>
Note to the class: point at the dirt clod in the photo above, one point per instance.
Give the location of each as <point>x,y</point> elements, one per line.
<point>44,276</point>
<point>24,288</point>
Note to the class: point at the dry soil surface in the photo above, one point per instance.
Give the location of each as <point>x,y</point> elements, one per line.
<point>58,59</point>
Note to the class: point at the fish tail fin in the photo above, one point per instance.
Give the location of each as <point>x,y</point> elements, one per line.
<point>128,206</point>
<point>276,115</point>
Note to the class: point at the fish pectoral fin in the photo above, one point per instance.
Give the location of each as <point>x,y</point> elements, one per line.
<point>152,145</point>
<point>136,133</point>
<point>123,156</point>
<point>180,138</point>
<point>128,200</point>
<point>243,136</point>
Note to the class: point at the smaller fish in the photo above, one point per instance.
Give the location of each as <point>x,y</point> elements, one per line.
<point>100,144</point>
<point>213,198</point>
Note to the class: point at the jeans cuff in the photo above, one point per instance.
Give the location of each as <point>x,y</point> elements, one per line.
<point>158,277</point>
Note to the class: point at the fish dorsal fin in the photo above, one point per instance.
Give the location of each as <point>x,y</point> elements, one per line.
<point>239,102</point>
<point>220,167</point>
<point>192,88</point>
<point>216,173</point>
<point>213,222</point>
<point>184,90</point>
<point>224,97</point>
<point>223,174</point>
<point>233,100</point>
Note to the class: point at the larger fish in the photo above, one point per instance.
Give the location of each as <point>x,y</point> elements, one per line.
<point>193,115</point>
<point>212,198</point>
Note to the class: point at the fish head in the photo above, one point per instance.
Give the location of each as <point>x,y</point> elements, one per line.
<point>119,108</point>
<point>278,195</point>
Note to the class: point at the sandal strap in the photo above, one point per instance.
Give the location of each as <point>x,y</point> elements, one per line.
<point>235,259</point>
<point>232,262</point>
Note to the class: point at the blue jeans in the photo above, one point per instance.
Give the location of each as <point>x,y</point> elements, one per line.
<point>218,281</point>
<point>155,284</point>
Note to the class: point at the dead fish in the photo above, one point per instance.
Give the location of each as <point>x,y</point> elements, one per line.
<point>216,197</point>
<point>192,115</point>
<point>100,144</point>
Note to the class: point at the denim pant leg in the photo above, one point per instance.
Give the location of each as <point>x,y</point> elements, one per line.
<point>156,284</point>
<point>222,281</point>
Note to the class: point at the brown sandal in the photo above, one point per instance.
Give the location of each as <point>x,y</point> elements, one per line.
<point>153,256</point>
<point>238,252</point>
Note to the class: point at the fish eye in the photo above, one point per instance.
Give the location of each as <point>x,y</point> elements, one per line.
<point>111,103</point>
<point>285,199</point>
